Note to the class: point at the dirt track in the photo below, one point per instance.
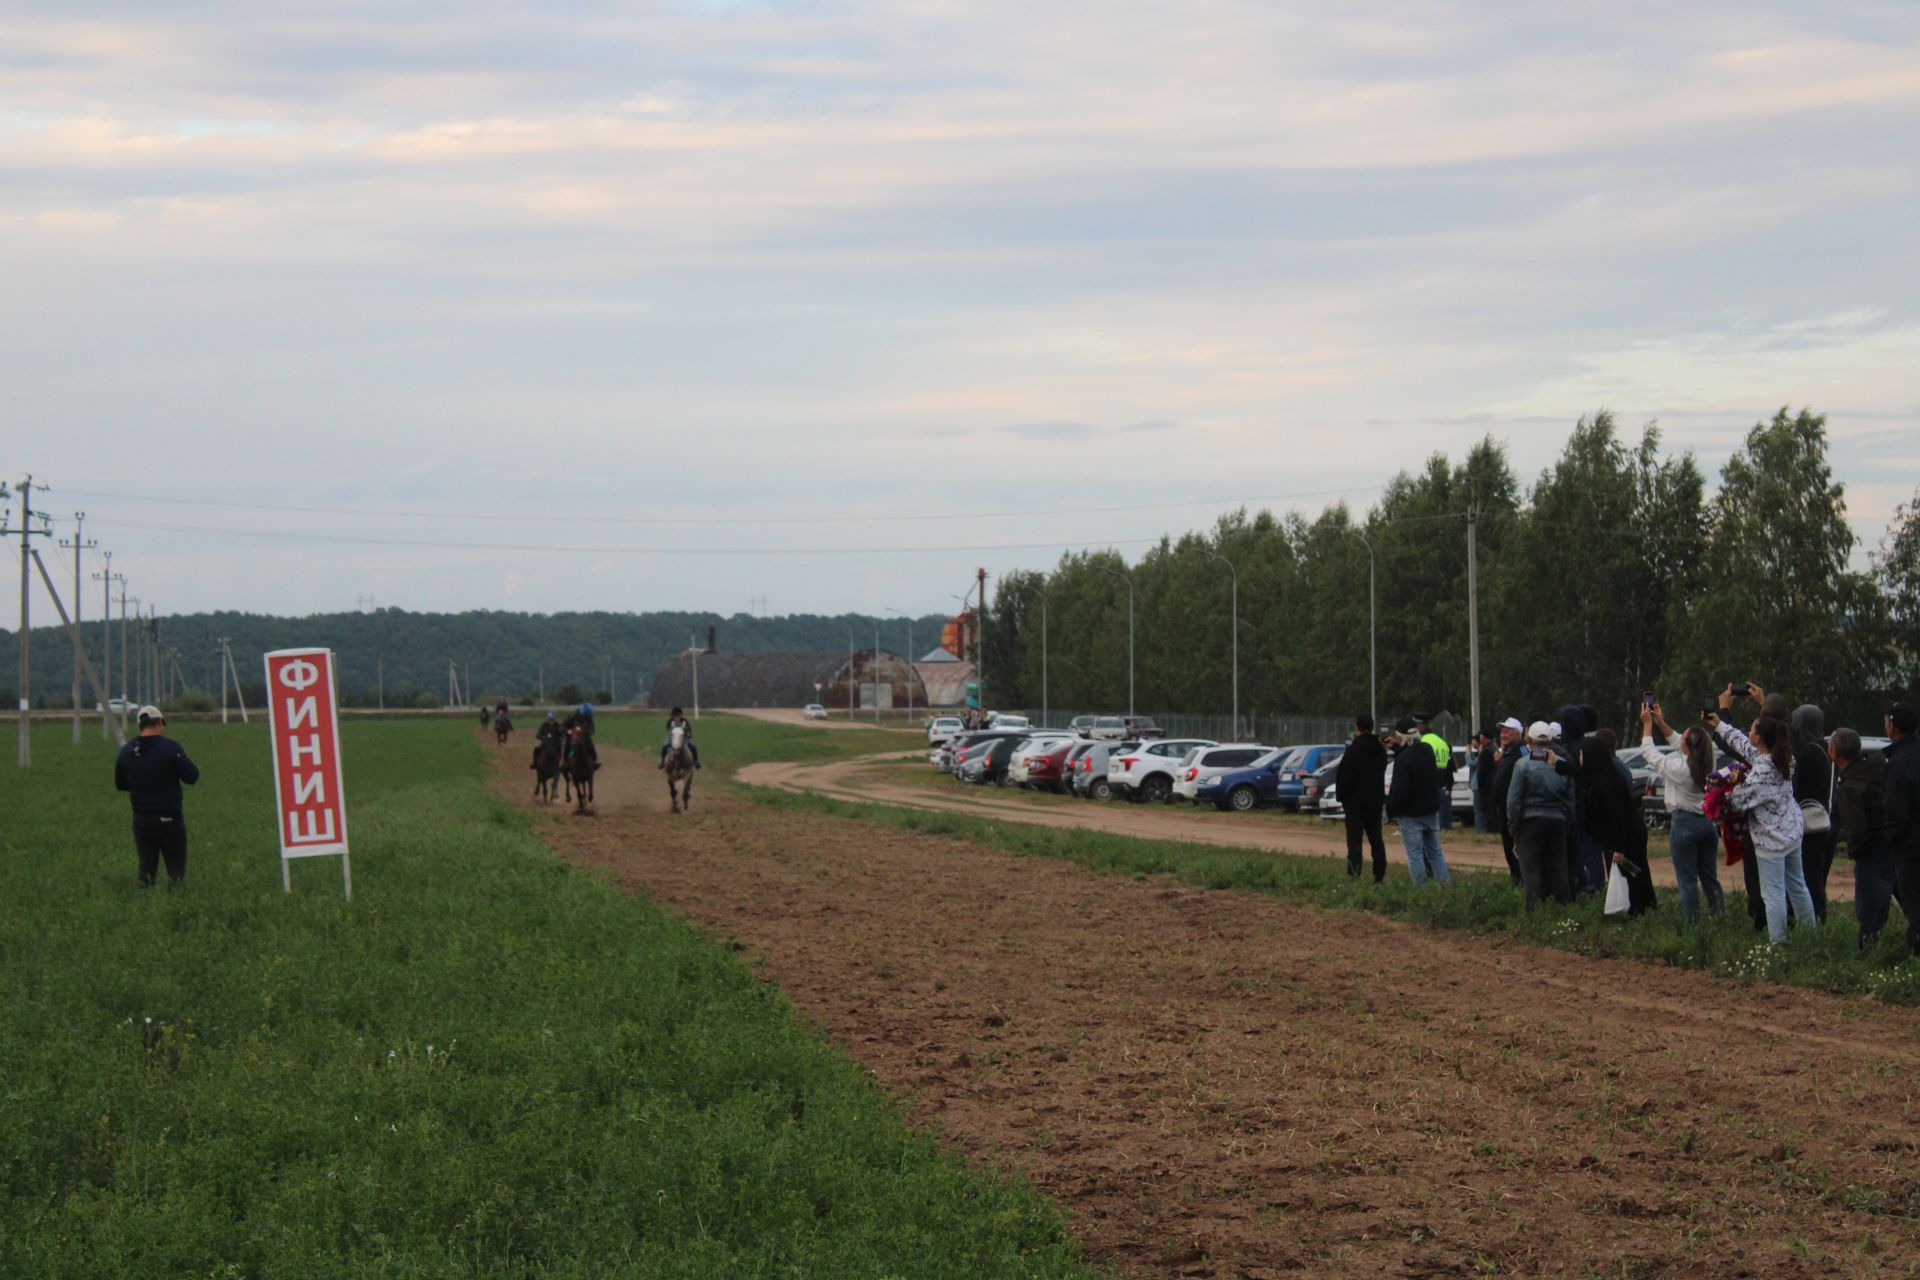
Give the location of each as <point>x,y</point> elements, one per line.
<point>1220,1084</point>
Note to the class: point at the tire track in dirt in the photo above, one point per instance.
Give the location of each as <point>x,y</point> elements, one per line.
<point>1217,1083</point>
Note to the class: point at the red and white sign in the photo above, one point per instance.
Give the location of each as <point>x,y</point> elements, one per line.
<point>304,726</point>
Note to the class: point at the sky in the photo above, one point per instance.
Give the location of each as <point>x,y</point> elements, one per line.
<point>694,306</point>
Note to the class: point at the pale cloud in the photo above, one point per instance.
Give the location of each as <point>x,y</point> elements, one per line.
<point>765,259</point>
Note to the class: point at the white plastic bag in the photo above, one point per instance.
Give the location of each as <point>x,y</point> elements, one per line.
<point>1618,899</point>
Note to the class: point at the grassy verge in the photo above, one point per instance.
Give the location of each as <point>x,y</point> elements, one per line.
<point>1479,902</point>
<point>728,741</point>
<point>482,1065</point>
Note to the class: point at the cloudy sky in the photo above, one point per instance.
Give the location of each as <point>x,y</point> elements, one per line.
<point>828,303</point>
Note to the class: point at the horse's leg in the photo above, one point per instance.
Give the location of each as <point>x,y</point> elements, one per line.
<point>673,790</point>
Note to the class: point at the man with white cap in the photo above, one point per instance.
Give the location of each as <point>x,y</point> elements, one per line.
<point>1539,807</point>
<point>1512,746</point>
<point>151,769</point>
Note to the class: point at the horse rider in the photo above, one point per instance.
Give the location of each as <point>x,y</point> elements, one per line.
<point>676,720</point>
<point>583,721</point>
<point>549,731</point>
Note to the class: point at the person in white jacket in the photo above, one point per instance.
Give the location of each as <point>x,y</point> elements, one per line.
<point>1692,838</point>
<point>1774,822</point>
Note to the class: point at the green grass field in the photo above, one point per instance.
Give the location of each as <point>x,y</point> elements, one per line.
<point>485,1064</point>
<point>1480,902</point>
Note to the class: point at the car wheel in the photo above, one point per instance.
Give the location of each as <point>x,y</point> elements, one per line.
<point>1157,789</point>
<point>1101,790</point>
<point>1000,780</point>
<point>1652,820</point>
<point>1242,799</point>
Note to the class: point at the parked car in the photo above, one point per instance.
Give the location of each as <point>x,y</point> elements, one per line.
<point>1045,767</point>
<point>1330,807</point>
<point>1300,764</point>
<point>958,750</point>
<point>815,711</point>
<point>988,762</point>
<point>1109,728</point>
<point>1314,790</point>
<point>940,728</point>
<point>1240,776</point>
<point>1007,720</point>
<point>1034,743</point>
<point>1147,771</point>
<point>1089,777</point>
<point>1140,728</point>
<point>1082,725</point>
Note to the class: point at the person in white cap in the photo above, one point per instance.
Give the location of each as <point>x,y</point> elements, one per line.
<point>150,769</point>
<point>1512,746</point>
<point>1540,807</point>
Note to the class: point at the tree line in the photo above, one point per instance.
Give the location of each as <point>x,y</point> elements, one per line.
<point>1612,573</point>
<point>597,656</point>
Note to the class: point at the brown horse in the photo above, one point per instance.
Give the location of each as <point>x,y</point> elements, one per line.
<point>501,728</point>
<point>679,770</point>
<point>546,771</point>
<point>579,773</point>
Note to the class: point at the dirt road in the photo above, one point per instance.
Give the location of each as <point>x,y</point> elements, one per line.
<point>1221,1084</point>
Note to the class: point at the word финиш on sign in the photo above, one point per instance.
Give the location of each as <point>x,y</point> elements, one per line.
<point>305,731</point>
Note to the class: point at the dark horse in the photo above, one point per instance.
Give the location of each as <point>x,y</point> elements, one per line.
<point>579,775</point>
<point>546,770</point>
<point>679,768</point>
<point>486,717</point>
<point>501,728</point>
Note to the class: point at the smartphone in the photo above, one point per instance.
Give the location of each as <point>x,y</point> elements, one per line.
<point>1537,753</point>
<point>1710,709</point>
<point>1647,699</point>
<point>1742,689</point>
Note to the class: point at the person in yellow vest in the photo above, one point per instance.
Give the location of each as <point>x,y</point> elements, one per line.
<point>1443,760</point>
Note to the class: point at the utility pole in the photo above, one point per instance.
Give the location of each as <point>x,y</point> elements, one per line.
<point>226,656</point>
<point>980,645</point>
<point>220,642</point>
<point>1473,605</point>
<point>153,649</point>
<point>78,543</point>
<point>123,650</point>
<point>380,679</point>
<point>27,533</point>
<point>106,577</point>
<point>876,671</point>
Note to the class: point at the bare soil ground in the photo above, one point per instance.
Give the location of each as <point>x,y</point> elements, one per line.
<point>1220,1084</point>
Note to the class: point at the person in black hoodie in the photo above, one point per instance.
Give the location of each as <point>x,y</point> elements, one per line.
<point>1612,818</point>
<point>1361,781</point>
<point>1813,779</point>
<point>151,769</point>
<point>1414,802</point>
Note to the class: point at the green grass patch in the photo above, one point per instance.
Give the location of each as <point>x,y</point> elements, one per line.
<point>484,1065</point>
<point>1479,902</point>
<point>729,741</point>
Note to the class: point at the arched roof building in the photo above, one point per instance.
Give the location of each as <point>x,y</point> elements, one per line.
<point>788,680</point>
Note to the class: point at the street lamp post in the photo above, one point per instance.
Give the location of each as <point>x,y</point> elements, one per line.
<point>910,667</point>
<point>1129,581</point>
<point>853,683</point>
<point>1373,620</point>
<point>876,671</point>
<point>1045,717</point>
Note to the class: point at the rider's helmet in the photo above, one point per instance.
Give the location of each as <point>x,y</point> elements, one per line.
<point>551,716</point>
<point>586,708</point>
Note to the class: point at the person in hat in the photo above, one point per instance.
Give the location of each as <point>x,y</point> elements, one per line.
<point>676,719</point>
<point>150,769</point>
<point>1539,809</point>
<point>1413,801</point>
<point>1512,745</point>
<point>1443,760</point>
<point>1902,793</point>
<point>549,731</point>
<point>1360,779</point>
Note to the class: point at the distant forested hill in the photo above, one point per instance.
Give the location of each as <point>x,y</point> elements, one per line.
<point>499,653</point>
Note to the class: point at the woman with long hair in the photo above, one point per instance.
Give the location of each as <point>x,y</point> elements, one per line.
<point>1693,839</point>
<point>1773,817</point>
<point>1612,817</point>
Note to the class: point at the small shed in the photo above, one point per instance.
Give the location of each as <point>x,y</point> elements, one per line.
<point>866,681</point>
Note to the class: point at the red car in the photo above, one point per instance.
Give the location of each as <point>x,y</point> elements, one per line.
<point>1049,769</point>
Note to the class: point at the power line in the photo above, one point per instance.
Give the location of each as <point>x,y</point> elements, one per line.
<point>508,517</point>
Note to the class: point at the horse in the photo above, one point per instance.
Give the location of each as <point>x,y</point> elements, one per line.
<point>501,728</point>
<point>546,770</point>
<point>679,769</point>
<point>580,771</point>
<point>486,717</point>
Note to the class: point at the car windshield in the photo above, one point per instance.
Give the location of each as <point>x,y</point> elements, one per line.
<point>1295,757</point>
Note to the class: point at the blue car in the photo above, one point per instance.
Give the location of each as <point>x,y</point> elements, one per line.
<point>1299,766</point>
<point>1241,783</point>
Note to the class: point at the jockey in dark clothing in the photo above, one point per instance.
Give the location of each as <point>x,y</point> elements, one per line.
<point>549,731</point>
<point>583,720</point>
<point>675,720</point>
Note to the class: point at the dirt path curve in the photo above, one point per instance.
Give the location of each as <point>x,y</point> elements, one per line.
<point>1221,1084</point>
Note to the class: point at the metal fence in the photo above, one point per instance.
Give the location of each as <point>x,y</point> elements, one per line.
<point>1274,730</point>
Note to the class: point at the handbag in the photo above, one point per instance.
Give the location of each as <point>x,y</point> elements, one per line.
<point>1819,817</point>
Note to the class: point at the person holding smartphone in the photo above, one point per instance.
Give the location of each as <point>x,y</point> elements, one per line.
<point>1693,839</point>
<point>1774,821</point>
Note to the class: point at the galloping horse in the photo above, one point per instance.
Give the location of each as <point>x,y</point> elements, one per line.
<point>579,773</point>
<point>486,717</point>
<point>501,728</point>
<point>546,770</point>
<point>679,769</point>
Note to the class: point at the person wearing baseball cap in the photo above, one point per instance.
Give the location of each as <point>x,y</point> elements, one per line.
<point>1512,746</point>
<point>1903,812</point>
<point>150,769</point>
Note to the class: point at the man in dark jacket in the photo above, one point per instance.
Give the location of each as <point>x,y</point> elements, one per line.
<point>1494,786</point>
<point>150,769</point>
<point>1860,830</point>
<point>1903,813</point>
<point>1361,781</point>
<point>1813,780</point>
<point>1414,802</point>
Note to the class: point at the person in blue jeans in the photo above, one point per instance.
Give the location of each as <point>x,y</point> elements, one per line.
<point>1693,840</point>
<point>1414,803</point>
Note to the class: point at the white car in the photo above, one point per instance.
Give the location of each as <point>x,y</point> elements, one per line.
<point>1006,720</point>
<point>940,728</point>
<point>816,712</point>
<point>1146,772</point>
<point>1201,777</point>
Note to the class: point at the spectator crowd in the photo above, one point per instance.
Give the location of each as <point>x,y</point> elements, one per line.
<point>1781,797</point>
